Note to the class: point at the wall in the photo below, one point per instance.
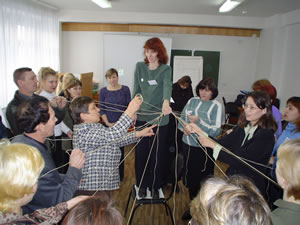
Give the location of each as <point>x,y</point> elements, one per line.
<point>290,77</point>
<point>160,18</point>
<point>82,52</point>
<point>279,54</point>
<point>237,61</point>
<point>243,60</point>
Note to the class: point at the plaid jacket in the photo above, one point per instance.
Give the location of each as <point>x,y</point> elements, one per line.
<point>102,153</point>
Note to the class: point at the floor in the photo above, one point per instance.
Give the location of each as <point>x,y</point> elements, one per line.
<point>149,214</point>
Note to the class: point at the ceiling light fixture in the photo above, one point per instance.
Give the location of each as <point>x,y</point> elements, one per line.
<point>229,5</point>
<point>103,3</point>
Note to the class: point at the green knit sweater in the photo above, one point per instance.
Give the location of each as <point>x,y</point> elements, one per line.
<point>155,86</point>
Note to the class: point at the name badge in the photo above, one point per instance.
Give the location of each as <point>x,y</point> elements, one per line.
<point>152,82</point>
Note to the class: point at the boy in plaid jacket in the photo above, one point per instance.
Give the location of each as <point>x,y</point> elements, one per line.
<point>101,144</point>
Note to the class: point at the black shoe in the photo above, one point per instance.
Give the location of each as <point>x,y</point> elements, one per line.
<point>186,215</point>
<point>142,192</point>
<point>155,194</point>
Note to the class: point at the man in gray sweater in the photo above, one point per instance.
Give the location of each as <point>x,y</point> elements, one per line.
<point>37,120</point>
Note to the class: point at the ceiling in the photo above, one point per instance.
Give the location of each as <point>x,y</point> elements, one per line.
<point>250,8</point>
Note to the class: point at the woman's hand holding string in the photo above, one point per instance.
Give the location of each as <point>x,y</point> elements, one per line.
<point>166,109</point>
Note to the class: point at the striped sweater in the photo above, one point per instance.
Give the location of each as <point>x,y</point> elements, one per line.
<point>210,117</point>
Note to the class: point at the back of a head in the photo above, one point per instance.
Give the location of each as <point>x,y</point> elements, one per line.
<point>231,203</point>
<point>258,84</point>
<point>94,211</point>
<point>20,167</point>
<point>198,206</point>
<point>288,166</point>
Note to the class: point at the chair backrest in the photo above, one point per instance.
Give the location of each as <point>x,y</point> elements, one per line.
<point>4,119</point>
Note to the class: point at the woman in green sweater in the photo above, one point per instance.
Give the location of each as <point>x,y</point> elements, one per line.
<point>152,79</point>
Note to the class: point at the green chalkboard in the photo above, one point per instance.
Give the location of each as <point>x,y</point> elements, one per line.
<point>180,52</point>
<point>211,63</point>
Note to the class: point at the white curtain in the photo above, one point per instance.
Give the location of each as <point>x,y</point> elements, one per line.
<point>29,37</point>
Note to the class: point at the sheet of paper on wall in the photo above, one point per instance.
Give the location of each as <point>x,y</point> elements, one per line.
<point>188,65</point>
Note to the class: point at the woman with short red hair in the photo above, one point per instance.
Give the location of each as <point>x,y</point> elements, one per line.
<point>152,79</point>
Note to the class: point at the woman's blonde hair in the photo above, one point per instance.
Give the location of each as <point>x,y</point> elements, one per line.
<point>232,201</point>
<point>198,206</point>
<point>67,78</point>
<point>288,166</point>
<point>20,167</point>
<point>43,73</point>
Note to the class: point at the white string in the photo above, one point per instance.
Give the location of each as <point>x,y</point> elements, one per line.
<point>181,121</point>
<point>88,153</point>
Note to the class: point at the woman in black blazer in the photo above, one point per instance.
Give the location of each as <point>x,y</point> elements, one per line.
<point>252,140</point>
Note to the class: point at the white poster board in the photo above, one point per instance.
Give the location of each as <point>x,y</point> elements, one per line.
<point>122,52</point>
<point>188,65</point>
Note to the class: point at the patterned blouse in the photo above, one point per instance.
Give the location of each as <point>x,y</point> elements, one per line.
<point>46,216</point>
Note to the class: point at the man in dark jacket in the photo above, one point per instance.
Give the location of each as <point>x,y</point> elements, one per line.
<point>26,81</point>
<point>37,120</point>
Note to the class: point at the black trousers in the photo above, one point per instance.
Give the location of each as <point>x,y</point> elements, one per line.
<point>155,171</point>
<point>197,167</point>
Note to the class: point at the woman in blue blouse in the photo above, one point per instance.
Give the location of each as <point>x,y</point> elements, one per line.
<point>291,115</point>
<point>113,100</point>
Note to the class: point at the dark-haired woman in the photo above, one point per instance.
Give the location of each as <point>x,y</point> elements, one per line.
<point>207,113</point>
<point>292,131</point>
<point>152,79</point>
<point>253,139</point>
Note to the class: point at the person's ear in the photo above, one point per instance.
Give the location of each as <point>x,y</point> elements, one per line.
<point>39,127</point>
<point>284,184</point>
<point>83,116</point>
<point>19,83</point>
<point>265,110</point>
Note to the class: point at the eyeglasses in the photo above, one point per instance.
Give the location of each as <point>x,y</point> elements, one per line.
<point>250,107</point>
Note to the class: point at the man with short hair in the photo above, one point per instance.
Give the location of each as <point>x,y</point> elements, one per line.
<point>37,119</point>
<point>26,81</point>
